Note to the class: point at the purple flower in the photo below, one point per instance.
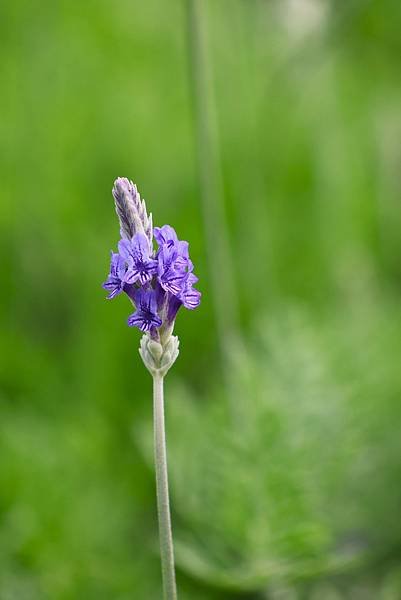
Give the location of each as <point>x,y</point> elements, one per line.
<point>158,283</point>
<point>174,272</point>
<point>141,267</point>
<point>172,269</point>
<point>145,317</point>
<point>166,236</point>
<point>173,306</point>
<point>190,296</point>
<point>114,283</point>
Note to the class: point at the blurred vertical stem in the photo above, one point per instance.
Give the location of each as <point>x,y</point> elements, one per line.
<point>163,503</point>
<point>210,175</point>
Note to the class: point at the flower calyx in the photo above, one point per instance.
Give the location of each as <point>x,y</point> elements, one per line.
<point>158,357</point>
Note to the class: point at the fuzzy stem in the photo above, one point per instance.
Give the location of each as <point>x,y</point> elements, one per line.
<point>163,504</point>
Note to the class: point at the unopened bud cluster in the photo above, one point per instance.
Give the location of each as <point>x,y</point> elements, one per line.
<point>159,358</point>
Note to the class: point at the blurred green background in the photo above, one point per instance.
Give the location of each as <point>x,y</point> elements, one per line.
<point>268,134</point>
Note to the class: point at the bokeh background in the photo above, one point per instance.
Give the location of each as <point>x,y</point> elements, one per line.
<point>267,132</point>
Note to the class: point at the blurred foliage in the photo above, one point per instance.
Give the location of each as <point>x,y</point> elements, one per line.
<point>288,474</point>
<point>285,456</point>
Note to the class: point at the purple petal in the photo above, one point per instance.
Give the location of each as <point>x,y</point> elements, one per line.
<point>191,298</point>
<point>140,266</point>
<point>171,271</point>
<point>137,320</point>
<point>174,304</point>
<point>130,290</point>
<point>120,267</point>
<point>140,247</point>
<point>113,286</point>
<point>145,320</point>
<point>114,281</point>
<point>182,249</point>
<point>125,248</point>
<point>180,263</point>
<point>173,281</point>
<point>146,300</point>
<point>165,235</point>
<point>160,295</point>
<point>115,292</point>
<point>192,278</point>
<point>131,276</point>
<point>147,271</point>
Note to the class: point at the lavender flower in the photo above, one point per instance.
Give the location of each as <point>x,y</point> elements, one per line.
<point>171,271</point>
<point>190,296</point>
<point>166,237</point>
<point>145,317</point>
<point>157,282</point>
<point>136,252</point>
<point>114,284</point>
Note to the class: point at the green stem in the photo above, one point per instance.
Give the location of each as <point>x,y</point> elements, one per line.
<point>163,504</point>
<point>210,174</point>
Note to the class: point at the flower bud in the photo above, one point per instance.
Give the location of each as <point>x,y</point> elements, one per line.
<point>159,358</point>
<point>131,210</point>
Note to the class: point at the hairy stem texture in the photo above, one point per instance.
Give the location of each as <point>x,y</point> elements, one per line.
<point>163,504</point>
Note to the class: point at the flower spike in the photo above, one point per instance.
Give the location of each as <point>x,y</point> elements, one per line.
<point>157,282</point>
<point>131,210</point>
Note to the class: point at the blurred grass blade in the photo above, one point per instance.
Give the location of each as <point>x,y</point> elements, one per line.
<point>210,175</point>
